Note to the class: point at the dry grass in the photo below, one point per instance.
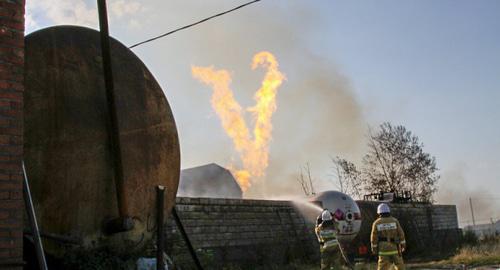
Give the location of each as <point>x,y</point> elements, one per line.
<point>487,252</point>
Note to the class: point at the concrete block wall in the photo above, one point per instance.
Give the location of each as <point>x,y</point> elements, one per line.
<point>11,132</point>
<point>428,228</point>
<point>242,232</point>
<point>253,232</point>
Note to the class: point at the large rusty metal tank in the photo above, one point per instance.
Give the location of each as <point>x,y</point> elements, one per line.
<point>66,138</point>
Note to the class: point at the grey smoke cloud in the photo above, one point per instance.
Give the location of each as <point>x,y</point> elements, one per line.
<point>453,189</point>
<point>318,114</point>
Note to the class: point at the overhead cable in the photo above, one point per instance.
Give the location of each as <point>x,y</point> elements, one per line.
<point>193,24</point>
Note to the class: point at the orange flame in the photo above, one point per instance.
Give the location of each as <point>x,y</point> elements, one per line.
<point>254,154</point>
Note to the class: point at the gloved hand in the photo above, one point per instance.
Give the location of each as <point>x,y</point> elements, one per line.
<point>403,247</point>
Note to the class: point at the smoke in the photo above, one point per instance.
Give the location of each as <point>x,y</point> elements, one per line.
<point>317,115</point>
<point>454,189</point>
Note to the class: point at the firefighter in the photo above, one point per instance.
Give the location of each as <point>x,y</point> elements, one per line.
<point>326,231</point>
<point>387,239</point>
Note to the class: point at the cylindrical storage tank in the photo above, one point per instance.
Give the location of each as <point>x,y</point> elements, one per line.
<point>66,138</point>
<point>346,211</point>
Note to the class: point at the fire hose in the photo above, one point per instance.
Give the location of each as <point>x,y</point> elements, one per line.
<point>342,253</point>
<point>349,264</point>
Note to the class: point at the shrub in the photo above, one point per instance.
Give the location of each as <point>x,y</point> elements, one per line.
<point>469,238</point>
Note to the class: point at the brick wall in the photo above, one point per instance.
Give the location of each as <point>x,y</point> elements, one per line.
<point>11,131</point>
<point>242,232</point>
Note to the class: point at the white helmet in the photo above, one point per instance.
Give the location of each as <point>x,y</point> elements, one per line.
<point>383,209</point>
<point>326,215</point>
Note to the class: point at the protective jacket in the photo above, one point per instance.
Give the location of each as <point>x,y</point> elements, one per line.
<point>387,236</point>
<point>327,234</point>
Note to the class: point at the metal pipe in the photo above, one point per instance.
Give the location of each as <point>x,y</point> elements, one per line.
<point>186,239</point>
<point>472,212</point>
<point>125,222</point>
<point>33,223</point>
<point>160,237</point>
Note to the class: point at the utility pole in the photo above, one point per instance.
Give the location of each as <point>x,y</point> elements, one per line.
<point>124,222</point>
<point>472,212</point>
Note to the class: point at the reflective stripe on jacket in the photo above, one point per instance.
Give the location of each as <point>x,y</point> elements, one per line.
<point>386,235</point>
<point>327,235</point>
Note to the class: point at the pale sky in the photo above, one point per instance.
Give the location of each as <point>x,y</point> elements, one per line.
<point>432,66</point>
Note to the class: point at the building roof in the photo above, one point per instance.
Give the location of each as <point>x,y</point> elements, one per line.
<point>210,180</point>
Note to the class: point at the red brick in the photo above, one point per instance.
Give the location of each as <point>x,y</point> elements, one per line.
<point>11,204</point>
<point>4,176</point>
<point>16,177</point>
<point>18,251</point>
<point>15,214</point>
<point>12,165</point>
<point>12,243</point>
<point>17,25</point>
<point>16,234</point>
<point>16,123</point>
<point>17,140</point>
<point>11,149</point>
<point>14,14</point>
<point>4,214</point>
<point>16,195</point>
<point>10,73</point>
<point>16,105</point>
<point>11,5</point>
<point>4,139</point>
<point>4,122</point>
<point>10,85</point>
<point>11,186</point>
<point>6,32</point>
<point>10,38</point>
<point>5,103</point>
<point>19,52</point>
<point>12,55</point>
<point>6,12</point>
<point>11,223</point>
<point>10,130</point>
<point>4,253</point>
<point>11,112</point>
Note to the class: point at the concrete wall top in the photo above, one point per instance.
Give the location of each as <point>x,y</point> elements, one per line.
<point>220,201</point>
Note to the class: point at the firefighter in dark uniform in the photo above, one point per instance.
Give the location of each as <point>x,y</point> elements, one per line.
<point>387,240</point>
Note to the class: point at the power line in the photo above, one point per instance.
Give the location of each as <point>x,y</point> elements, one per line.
<point>193,24</point>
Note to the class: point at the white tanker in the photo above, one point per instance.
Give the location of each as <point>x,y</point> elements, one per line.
<point>344,209</point>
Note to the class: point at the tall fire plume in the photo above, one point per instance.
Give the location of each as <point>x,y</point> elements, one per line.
<point>252,148</point>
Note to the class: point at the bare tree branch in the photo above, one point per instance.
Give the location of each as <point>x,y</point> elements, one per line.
<point>306,184</point>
